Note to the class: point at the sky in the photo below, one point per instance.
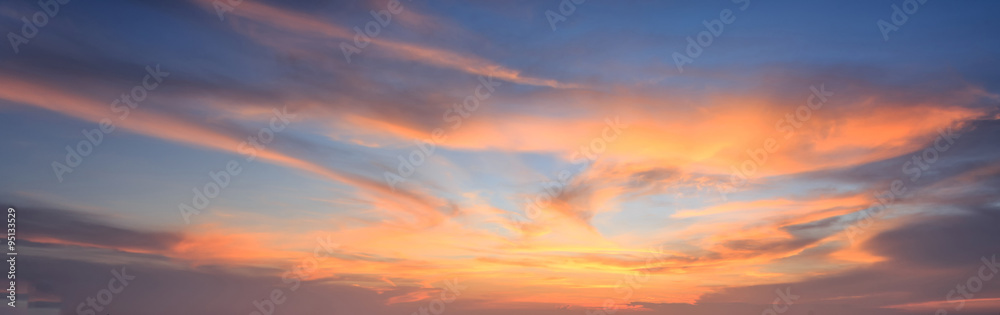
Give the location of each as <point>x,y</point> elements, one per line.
<point>488,157</point>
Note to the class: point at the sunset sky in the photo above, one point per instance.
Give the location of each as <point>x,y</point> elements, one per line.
<point>502,157</point>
